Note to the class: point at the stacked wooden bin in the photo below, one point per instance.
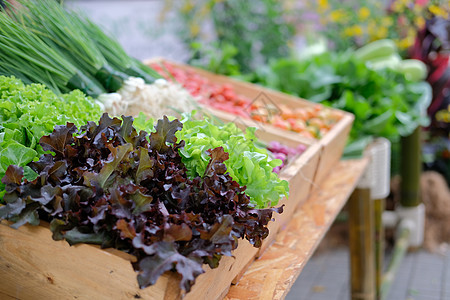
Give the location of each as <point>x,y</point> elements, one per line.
<point>34,266</point>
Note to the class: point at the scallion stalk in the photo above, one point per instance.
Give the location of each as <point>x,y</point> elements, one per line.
<point>62,30</point>
<point>115,54</point>
<point>24,55</point>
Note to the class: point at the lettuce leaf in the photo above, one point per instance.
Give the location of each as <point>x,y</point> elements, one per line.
<point>28,112</point>
<point>249,165</point>
<point>385,103</point>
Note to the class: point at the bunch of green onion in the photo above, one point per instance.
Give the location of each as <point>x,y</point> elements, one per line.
<point>42,42</point>
<point>115,55</point>
<point>25,55</point>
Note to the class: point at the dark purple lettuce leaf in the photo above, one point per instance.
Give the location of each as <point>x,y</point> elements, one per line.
<point>165,133</point>
<point>13,176</point>
<point>109,185</point>
<point>58,139</point>
<point>216,165</point>
<point>166,258</point>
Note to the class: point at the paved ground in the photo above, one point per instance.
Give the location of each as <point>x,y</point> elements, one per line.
<point>422,276</point>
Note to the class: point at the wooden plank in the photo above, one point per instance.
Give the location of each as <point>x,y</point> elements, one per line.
<point>300,175</point>
<point>379,207</point>
<point>333,144</point>
<point>34,266</point>
<point>215,282</point>
<point>285,258</point>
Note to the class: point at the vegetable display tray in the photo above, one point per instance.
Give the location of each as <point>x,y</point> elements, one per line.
<point>34,266</point>
<point>331,144</point>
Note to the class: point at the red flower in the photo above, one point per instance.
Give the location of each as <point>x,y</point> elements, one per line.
<point>422,2</point>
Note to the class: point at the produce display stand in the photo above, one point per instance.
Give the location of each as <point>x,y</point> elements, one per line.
<point>273,274</point>
<point>33,266</point>
<point>305,172</point>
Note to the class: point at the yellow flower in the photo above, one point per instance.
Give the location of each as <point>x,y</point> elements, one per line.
<point>376,31</point>
<point>194,29</point>
<point>397,6</point>
<point>437,11</point>
<point>382,32</point>
<point>387,21</point>
<point>323,5</point>
<point>358,30</point>
<point>337,15</point>
<point>354,30</point>
<point>363,13</point>
<point>419,21</point>
<point>187,7</point>
<point>405,43</point>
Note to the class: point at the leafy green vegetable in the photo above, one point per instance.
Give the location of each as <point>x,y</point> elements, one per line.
<point>384,102</point>
<point>248,165</point>
<point>108,185</point>
<point>113,52</point>
<point>45,43</point>
<point>27,112</point>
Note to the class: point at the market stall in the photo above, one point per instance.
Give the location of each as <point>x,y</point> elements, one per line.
<point>159,180</point>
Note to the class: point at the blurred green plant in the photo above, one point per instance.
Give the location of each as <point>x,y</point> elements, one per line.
<point>384,102</point>
<point>215,58</point>
<point>258,30</point>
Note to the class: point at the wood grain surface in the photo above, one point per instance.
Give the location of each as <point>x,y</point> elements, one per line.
<point>272,275</point>
<point>34,266</point>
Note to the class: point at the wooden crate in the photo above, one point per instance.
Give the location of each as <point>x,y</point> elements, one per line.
<point>300,174</point>
<point>331,145</point>
<point>34,266</point>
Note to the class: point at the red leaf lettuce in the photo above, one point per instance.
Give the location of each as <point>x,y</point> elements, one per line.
<point>108,185</point>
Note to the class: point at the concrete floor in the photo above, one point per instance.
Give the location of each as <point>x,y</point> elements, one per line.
<point>421,276</point>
